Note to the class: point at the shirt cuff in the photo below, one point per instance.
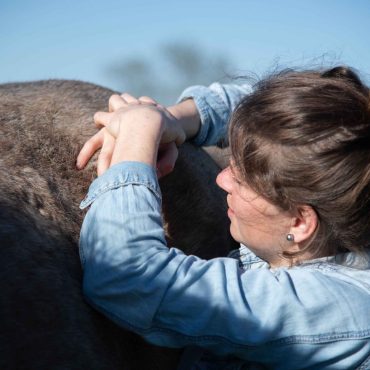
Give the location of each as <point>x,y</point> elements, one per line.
<point>122,174</point>
<point>199,94</point>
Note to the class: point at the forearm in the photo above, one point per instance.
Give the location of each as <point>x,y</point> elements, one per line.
<point>120,236</point>
<point>138,137</point>
<point>188,117</point>
<point>208,110</point>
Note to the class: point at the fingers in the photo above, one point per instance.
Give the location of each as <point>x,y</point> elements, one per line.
<point>129,99</point>
<point>106,153</point>
<point>102,118</point>
<point>142,100</point>
<point>89,148</point>
<point>181,137</point>
<point>116,102</point>
<point>103,140</point>
<point>167,157</point>
<point>147,100</point>
<point>120,101</point>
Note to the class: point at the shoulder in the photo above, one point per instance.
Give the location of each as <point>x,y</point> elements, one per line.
<point>335,298</point>
<point>310,302</point>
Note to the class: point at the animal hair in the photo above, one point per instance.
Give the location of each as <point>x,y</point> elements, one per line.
<point>46,323</point>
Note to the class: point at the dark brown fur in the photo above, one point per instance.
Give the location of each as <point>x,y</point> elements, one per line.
<point>45,322</point>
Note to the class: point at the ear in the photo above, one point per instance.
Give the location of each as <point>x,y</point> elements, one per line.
<point>304,223</point>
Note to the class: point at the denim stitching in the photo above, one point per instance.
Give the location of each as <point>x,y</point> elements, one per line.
<point>90,198</point>
<point>295,339</point>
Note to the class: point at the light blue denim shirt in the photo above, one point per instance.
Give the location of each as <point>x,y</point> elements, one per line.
<point>312,316</point>
<point>215,105</point>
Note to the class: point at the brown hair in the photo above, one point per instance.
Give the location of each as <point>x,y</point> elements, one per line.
<point>303,138</point>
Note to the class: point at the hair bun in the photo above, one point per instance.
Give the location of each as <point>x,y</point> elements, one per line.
<point>344,73</point>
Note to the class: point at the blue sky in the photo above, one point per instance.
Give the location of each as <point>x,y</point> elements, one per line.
<point>42,39</point>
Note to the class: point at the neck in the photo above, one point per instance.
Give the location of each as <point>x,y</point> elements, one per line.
<point>280,260</point>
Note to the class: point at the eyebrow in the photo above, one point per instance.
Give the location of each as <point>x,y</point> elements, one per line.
<point>234,176</point>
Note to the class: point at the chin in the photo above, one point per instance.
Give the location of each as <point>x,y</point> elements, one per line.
<point>235,235</point>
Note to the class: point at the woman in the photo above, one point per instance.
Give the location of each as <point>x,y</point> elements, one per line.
<point>296,294</point>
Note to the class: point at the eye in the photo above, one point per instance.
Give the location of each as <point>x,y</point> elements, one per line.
<point>236,179</point>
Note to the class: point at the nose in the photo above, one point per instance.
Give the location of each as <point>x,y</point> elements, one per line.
<point>225,180</point>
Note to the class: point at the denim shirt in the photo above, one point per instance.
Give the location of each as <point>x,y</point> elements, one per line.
<point>312,316</point>
<point>215,105</point>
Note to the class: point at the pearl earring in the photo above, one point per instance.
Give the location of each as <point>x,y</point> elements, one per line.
<point>290,237</point>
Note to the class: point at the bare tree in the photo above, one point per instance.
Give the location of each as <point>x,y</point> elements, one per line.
<point>173,67</point>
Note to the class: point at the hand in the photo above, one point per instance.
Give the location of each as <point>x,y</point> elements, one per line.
<point>102,139</point>
<point>131,115</point>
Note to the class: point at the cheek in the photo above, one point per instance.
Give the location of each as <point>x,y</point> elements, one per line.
<point>247,227</point>
<point>249,218</point>
<point>246,215</point>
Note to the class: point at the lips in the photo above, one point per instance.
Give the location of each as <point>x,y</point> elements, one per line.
<point>230,212</point>
<point>228,204</point>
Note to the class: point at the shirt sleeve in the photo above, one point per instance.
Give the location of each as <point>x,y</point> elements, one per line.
<point>215,105</point>
<point>175,300</point>
<point>131,276</point>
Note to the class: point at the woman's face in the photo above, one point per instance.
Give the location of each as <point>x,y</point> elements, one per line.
<point>255,222</point>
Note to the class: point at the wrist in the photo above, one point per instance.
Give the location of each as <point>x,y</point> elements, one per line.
<point>188,117</point>
<point>130,149</point>
<point>138,141</point>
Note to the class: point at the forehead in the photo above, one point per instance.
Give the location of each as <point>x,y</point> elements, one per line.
<point>233,167</point>
<point>241,187</point>
<point>237,176</point>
